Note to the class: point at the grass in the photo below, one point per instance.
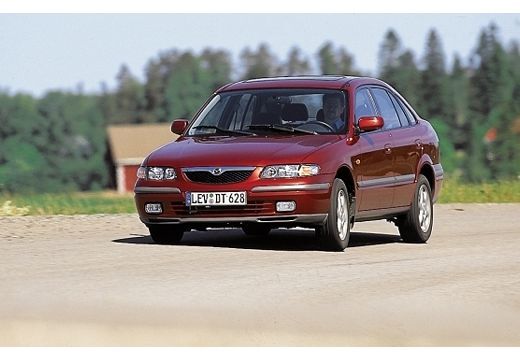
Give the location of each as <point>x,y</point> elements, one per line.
<point>66,204</point>
<point>454,191</point>
<point>109,202</point>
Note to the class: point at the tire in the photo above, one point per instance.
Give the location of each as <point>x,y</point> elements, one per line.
<point>416,226</point>
<point>255,229</point>
<point>335,233</point>
<point>166,234</point>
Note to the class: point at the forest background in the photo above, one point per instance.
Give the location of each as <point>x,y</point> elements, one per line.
<point>58,141</point>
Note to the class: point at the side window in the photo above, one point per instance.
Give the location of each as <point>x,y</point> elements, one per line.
<point>409,115</point>
<point>386,108</point>
<point>402,116</point>
<point>364,105</point>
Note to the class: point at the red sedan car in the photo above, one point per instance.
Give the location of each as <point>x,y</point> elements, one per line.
<point>319,152</point>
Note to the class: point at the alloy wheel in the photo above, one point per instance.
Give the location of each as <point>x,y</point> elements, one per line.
<point>342,215</point>
<point>424,203</point>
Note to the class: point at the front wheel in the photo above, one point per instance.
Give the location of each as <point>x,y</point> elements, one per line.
<point>335,233</point>
<point>416,226</point>
<point>166,234</point>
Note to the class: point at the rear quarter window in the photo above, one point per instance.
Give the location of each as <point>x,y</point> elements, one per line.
<point>402,116</point>
<point>409,115</point>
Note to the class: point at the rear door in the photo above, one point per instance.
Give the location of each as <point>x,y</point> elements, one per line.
<point>408,149</point>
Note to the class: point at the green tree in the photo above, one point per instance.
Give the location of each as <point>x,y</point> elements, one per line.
<point>129,98</point>
<point>456,100</point>
<point>492,109</point>
<point>154,92</point>
<point>296,64</point>
<point>259,63</point>
<point>326,57</point>
<point>187,86</point>
<point>178,82</point>
<point>388,57</point>
<point>433,78</point>
<point>407,78</point>
<point>335,62</point>
<point>506,119</point>
<point>397,67</point>
<point>491,82</point>
<point>157,73</point>
<point>19,116</point>
<point>22,135</point>
<point>448,154</point>
<point>218,64</point>
<point>75,141</point>
<point>345,62</point>
<point>22,167</point>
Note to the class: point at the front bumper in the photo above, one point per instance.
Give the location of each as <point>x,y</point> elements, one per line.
<point>292,220</point>
<point>312,204</point>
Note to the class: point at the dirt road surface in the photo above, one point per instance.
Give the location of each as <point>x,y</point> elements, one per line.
<point>99,280</point>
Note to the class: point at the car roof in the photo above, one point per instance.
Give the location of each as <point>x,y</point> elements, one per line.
<point>306,82</point>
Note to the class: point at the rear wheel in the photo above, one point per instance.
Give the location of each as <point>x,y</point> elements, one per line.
<point>335,233</point>
<point>256,229</point>
<point>166,234</point>
<point>416,225</point>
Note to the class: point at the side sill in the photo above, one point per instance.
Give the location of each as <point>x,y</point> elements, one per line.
<point>381,214</point>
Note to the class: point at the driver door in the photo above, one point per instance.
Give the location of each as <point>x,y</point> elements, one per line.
<point>373,165</point>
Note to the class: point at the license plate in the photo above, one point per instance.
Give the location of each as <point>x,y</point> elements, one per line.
<point>216,198</point>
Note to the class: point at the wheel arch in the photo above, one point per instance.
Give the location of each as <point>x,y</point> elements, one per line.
<point>427,171</point>
<point>344,173</point>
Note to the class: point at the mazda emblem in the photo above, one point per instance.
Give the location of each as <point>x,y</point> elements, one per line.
<point>216,171</point>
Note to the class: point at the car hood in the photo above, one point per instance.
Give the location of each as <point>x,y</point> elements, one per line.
<point>238,151</point>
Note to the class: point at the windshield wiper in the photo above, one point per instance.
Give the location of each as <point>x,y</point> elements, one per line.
<point>281,128</point>
<point>222,131</point>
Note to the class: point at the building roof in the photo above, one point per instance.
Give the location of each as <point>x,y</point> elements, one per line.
<point>131,143</point>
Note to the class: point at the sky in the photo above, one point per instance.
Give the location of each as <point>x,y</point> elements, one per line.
<point>42,52</point>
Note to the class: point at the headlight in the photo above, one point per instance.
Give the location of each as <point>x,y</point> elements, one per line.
<point>169,174</point>
<point>289,171</point>
<point>141,173</point>
<point>156,173</point>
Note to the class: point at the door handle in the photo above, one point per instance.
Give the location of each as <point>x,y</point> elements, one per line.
<point>388,149</point>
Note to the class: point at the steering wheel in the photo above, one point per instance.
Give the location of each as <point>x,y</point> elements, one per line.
<point>321,123</point>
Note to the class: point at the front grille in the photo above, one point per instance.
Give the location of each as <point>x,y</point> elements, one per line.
<point>226,177</point>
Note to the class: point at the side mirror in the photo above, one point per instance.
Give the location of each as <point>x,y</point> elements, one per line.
<point>370,123</point>
<point>178,126</point>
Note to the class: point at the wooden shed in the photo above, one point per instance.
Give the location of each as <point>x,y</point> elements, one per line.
<point>130,144</point>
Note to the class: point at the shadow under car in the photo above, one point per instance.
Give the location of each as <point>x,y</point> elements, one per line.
<point>276,240</point>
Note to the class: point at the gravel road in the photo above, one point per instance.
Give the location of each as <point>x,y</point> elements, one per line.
<point>99,280</point>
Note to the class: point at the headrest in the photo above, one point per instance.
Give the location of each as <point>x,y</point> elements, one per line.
<point>295,112</point>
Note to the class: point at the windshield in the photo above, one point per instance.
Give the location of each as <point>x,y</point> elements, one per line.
<point>279,112</point>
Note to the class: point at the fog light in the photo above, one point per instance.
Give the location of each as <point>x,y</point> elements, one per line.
<point>284,206</point>
<point>153,208</point>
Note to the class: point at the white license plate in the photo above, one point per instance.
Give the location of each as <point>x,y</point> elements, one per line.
<point>216,198</point>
